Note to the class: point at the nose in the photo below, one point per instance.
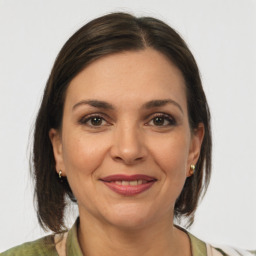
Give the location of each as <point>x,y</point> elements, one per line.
<point>128,145</point>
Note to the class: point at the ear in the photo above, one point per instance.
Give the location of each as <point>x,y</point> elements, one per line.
<point>56,141</point>
<point>195,146</point>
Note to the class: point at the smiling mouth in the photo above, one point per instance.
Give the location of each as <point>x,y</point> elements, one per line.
<point>129,185</point>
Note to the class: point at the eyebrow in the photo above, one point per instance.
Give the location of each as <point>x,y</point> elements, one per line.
<point>147,105</point>
<point>94,103</point>
<point>161,103</point>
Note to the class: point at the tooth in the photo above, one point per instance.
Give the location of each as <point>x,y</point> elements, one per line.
<point>144,181</point>
<point>118,182</point>
<point>133,183</point>
<point>125,183</point>
<point>139,182</point>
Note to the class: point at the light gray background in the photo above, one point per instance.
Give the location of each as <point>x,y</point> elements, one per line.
<point>222,36</point>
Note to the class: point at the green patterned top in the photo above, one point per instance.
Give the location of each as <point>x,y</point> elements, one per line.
<point>46,247</point>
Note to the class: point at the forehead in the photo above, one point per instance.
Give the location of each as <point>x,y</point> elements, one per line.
<point>129,76</point>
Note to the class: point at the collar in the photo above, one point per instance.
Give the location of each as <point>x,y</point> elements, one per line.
<point>72,244</point>
<point>198,247</point>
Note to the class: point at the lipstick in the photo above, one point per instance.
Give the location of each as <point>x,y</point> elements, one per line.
<point>128,185</point>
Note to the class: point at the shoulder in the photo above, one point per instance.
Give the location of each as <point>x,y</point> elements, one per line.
<point>42,246</point>
<point>201,248</point>
<point>219,250</point>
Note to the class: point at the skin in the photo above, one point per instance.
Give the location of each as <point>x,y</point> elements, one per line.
<point>129,137</point>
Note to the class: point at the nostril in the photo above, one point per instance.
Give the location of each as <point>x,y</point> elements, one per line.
<point>118,158</point>
<point>128,161</point>
<point>128,150</point>
<point>138,159</point>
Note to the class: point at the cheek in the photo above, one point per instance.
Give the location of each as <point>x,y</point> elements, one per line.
<point>172,153</point>
<point>82,154</point>
<point>171,156</point>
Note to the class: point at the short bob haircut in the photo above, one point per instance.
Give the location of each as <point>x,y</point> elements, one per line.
<point>109,34</point>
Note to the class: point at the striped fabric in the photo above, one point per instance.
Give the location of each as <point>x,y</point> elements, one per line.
<point>213,250</point>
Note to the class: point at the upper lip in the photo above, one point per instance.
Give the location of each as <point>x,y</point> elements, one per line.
<point>120,177</point>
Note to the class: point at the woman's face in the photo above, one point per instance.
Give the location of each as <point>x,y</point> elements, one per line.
<point>125,144</point>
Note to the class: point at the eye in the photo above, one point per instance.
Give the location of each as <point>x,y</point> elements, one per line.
<point>93,121</point>
<point>162,120</point>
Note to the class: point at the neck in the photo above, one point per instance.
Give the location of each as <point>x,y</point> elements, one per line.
<point>160,238</point>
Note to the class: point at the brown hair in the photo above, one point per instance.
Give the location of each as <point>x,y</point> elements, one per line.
<point>105,35</point>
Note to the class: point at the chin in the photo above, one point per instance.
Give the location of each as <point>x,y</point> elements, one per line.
<point>131,217</point>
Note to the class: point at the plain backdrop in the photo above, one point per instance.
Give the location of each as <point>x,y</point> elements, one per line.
<point>222,37</point>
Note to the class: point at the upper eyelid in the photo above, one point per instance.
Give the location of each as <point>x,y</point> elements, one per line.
<point>89,116</point>
<point>152,115</point>
<point>97,114</point>
<point>108,118</point>
<point>168,117</point>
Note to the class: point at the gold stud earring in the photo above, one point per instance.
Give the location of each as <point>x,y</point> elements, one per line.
<point>60,172</point>
<point>192,169</point>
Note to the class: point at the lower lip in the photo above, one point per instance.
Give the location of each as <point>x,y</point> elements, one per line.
<point>129,190</point>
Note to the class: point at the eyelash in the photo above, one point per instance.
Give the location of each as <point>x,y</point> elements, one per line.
<point>171,121</point>
<point>85,120</point>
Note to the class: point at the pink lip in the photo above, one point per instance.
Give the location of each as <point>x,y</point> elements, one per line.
<point>128,190</point>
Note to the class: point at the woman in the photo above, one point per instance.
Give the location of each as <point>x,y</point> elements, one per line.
<point>124,131</point>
